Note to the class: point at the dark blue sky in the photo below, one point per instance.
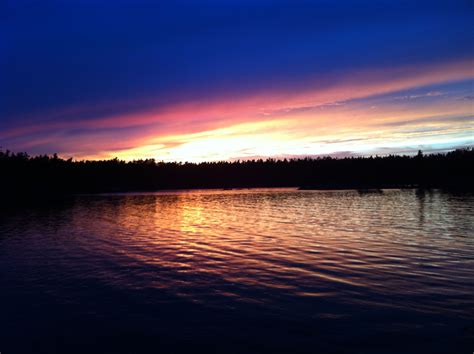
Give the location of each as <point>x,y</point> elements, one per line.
<point>66,61</point>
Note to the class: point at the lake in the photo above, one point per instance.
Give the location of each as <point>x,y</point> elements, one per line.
<point>252,271</point>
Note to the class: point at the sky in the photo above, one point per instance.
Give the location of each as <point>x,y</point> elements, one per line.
<point>225,79</point>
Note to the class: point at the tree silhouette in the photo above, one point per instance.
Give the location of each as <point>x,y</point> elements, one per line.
<point>24,176</point>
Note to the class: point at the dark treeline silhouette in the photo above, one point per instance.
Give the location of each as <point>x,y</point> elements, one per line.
<point>22,175</point>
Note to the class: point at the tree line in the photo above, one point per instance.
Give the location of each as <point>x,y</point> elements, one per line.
<point>23,175</point>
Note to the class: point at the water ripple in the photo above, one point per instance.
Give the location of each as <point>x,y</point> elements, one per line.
<point>302,254</point>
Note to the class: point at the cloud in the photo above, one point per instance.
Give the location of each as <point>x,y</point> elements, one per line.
<point>466,98</point>
<point>428,120</point>
<point>316,119</point>
<point>423,95</point>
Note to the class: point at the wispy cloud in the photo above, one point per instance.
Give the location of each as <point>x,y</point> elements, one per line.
<point>272,123</point>
<point>423,95</point>
<point>466,98</point>
<point>429,120</point>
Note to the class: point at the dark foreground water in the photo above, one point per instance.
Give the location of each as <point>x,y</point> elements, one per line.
<point>240,271</point>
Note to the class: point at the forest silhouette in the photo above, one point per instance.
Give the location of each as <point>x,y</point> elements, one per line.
<point>24,176</point>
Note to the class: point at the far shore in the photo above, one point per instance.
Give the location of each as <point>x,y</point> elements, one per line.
<point>24,177</point>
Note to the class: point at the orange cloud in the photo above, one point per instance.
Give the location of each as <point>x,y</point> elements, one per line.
<point>268,123</point>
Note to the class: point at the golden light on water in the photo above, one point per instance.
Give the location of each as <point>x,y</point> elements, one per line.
<point>295,241</point>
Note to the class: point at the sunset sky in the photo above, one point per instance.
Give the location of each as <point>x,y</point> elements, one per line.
<point>226,79</point>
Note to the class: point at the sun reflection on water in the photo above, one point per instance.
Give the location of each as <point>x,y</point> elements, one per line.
<point>210,245</point>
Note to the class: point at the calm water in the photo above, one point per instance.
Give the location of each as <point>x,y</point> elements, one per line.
<point>240,271</point>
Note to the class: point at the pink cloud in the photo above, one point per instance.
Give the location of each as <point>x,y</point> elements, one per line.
<point>181,119</point>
